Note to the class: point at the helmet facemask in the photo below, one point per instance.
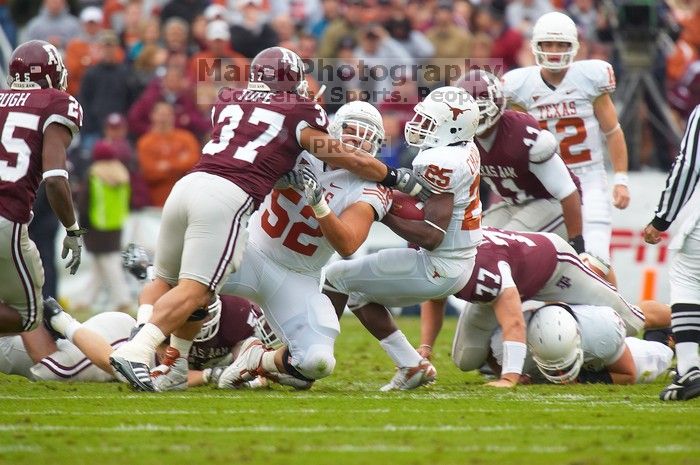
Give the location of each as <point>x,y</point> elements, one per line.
<point>544,59</point>
<point>262,330</point>
<point>210,326</point>
<point>420,131</point>
<point>489,114</point>
<point>563,371</point>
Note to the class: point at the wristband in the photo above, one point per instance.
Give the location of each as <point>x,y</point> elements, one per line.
<point>578,244</point>
<point>55,173</point>
<point>321,209</point>
<point>75,232</point>
<point>390,178</point>
<point>620,178</point>
<point>206,373</point>
<point>73,227</point>
<point>513,357</point>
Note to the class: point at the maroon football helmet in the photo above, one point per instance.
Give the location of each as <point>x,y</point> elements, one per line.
<point>488,93</point>
<point>37,63</point>
<point>278,69</point>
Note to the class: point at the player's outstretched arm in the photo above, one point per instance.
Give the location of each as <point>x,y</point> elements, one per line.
<point>571,211</point>
<point>623,371</point>
<point>508,310</point>
<point>56,140</point>
<point>605,113</point>
<point>341,155</point>
<point>429,232</point>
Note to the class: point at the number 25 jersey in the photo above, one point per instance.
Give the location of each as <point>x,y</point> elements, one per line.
<point>567,110</point>
<point>24,116</point>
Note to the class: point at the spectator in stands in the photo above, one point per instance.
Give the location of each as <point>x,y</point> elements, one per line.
<point>144,68</point>
<point>130,33</point>
<point>184,9</point>
<point>218,39</point>
<point>585,15</point>
<point>285,31</point>
<point>377,48</point>
<point>522,14</point>
<point>414,42</point>
<point>507,42</point>
<point>54,24</point>
<point>150,35</point>
<point>347,24</point>
<point>176,37</point>
<point>175,90</point>
<point>165,153</point>
<point>449,40</point>
<point>7,24</point>
<point>104,89</point>
<point>104,210</point>
<point>252,33</point>
<point>216,11</point>
<point>331,12</point>
<point>84,51</point>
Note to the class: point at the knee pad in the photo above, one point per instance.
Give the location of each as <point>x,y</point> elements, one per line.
<point>318,362</point>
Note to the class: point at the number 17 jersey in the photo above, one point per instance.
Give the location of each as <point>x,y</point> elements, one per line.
<point>567,110</point>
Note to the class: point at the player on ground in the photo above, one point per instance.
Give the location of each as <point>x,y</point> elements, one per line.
<point>83,349</point>
<point>520,163</point>
<point>572,100</point>
<point>512,267</point>
<point>443,128</point>
<point>258,134</point>
<point>38,119</point>
<point>585,344</point>
<point>295,234</point>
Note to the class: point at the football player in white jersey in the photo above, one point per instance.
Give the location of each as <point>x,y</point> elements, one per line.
<point>291,238</point>
<point>586,344</point>
<point>443,127</point>
<point>572,100</point>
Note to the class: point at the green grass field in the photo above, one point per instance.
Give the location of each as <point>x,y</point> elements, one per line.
<point>345,420</point>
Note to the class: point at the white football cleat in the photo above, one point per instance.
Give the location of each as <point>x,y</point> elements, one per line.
<point>246,367</point>
<point>411,377</point>
<point>171,374</point>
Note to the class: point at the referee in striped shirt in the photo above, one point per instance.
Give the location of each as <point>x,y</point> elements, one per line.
<point>685,264</point>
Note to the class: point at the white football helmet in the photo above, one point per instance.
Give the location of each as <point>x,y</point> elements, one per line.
<point>554,27</point>
<point>364,119</point>
<point>554,340</point>
<point>210,326</point>
<point>446,116</point>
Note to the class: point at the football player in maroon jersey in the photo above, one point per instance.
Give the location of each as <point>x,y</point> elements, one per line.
<point>38,119</point>
<point>258,134</point>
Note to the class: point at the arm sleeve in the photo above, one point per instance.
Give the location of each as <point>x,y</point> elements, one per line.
<point>554,177</point>
<point>683,177</point>
<point>378,197</point>
<point>310,115</point>
<point>65,110</point>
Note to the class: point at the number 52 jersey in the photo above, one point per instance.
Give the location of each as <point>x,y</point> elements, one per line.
<point>567,110</point>
<point>24,116</point>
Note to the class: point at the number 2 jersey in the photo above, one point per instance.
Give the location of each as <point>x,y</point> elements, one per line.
<point>567,110</point>
<point>285,228</point>
<point>454,169</point>
<point>255,139</point>
<point>25,115</point>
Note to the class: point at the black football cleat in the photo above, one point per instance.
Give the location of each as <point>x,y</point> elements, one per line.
<point>683,387</point>
<point>137,374</point>
<point>51,309</point>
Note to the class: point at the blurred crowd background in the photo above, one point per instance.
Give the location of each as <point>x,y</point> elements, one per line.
<point>133,66</point>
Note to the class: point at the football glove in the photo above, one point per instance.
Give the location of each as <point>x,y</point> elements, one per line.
<point>73,243</point>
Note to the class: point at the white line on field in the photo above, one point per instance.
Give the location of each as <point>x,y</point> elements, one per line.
<point>388,428</point>
<point>101,413</point>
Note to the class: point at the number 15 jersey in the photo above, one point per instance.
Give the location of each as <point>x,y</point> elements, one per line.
<point>567,110</point>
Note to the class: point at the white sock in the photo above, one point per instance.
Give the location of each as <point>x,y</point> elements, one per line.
<point>142,347</point>
<point>73,326</point>
<point>687,356</point>
<point>268,362</point>
<point>61,322</point>
<point>400,350</point>
<point>143,314</point>
<point>182,345</point>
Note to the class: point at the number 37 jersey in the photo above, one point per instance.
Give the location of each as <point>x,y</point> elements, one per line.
<point>24,116</point>
<point>285,228</point>
<point>567,110</point>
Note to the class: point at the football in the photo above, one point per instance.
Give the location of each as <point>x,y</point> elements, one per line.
<point>406,207</point>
